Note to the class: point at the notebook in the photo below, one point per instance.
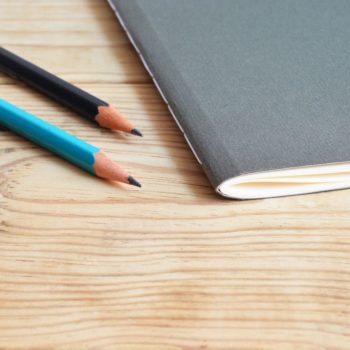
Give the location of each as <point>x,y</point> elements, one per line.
<point>260,89</point>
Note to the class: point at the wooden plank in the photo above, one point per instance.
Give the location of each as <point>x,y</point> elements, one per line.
<point>81,41</point>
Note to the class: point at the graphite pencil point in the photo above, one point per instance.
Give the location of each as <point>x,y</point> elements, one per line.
<point>136,132</point>
<point>133,181</point>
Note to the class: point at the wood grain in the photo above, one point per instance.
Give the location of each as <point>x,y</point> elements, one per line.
<point>86,264</point>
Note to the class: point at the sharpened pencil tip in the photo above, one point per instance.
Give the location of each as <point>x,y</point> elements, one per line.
<point>133,182</point>
<point>136,132</point>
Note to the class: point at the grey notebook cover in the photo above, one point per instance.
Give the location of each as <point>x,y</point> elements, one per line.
<point>255,85</point>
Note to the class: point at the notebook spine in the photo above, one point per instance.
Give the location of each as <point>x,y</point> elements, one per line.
<point>132,41</point>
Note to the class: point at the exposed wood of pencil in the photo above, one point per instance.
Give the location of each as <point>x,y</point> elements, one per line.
<point>110,118</point>
<point>107,169</point>
<point>85,264</point>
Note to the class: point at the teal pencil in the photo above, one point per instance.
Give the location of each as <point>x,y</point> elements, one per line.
<point>61,143</point>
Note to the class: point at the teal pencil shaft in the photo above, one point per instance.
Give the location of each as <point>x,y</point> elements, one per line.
<point>48,136</point>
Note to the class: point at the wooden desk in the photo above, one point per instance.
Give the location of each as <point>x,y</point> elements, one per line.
<point>85,264</point>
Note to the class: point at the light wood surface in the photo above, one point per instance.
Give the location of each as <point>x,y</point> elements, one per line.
<point>86,264</point>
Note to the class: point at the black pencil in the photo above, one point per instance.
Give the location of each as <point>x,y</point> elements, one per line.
<point>80,101</point>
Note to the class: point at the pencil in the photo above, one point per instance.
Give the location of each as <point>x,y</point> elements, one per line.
<point>78,100</point>
<point>67,146</point>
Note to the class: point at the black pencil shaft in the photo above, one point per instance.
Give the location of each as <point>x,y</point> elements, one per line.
<point>49,84</point>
